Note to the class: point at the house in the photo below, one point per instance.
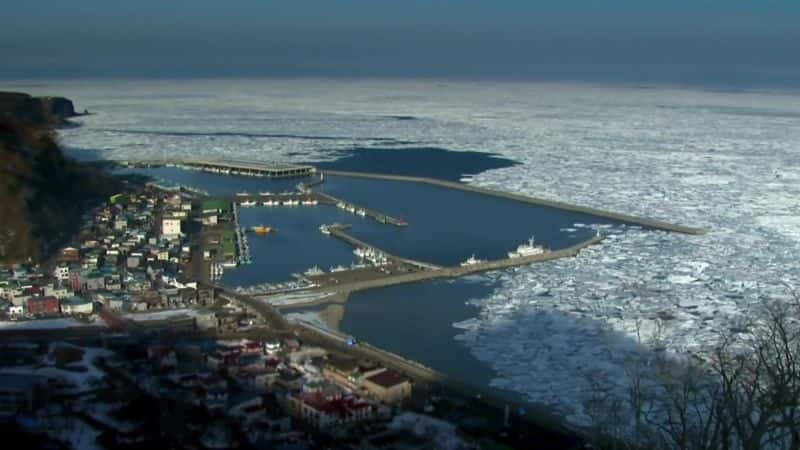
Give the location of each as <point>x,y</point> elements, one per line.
<point>16,310</point>
<point>94,281</point>
<point>61,273</point>
<point>326,412</point>
<point>76,305</point>
<point>70,255</point>
<point>387,386</point>
<point>170,228</point>
<point>43,306</point>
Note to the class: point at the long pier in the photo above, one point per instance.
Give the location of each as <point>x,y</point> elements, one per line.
<point>651,223</point>
<point>233,167</point>
<point>380,217</point>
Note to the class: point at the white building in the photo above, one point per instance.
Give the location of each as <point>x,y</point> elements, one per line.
<point>76,305</point>
<point>61,273</point>
<point>170,228</point>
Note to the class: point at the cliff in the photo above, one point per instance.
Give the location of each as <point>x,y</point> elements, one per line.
<point>43,194</point>
<point>41,111</point>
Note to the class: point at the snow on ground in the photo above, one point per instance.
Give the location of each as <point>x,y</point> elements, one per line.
<point>444,434</point>
<point>719,159</point>
<point>81,376</point>
<point>162,315</point>
<point>48,324</point>
<point>68,429</point>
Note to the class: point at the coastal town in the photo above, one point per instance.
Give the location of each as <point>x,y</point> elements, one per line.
<point>124,331</point>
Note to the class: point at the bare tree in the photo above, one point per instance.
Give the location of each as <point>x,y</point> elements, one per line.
<point>744,396</point>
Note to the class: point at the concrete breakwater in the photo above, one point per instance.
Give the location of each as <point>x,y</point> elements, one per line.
<point>651,223</point>
<point>459,271</point>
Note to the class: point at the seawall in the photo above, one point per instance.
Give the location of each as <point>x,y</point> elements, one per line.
<point>651,223</point>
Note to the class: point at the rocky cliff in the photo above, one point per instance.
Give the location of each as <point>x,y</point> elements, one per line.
<point>21,107</point>
<point>43,194</point>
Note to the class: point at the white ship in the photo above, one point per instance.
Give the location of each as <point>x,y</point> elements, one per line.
<point>248,203</point>
<point>310,202</point>
<point>265,194</point>
<point>338,269</point>
<point>314,271</point>
<point>528,249</point>
<point>270,203</point>
<point>325,229</point>
<point>471,261</point>
<point>242,194</point>
<point>361,212</point>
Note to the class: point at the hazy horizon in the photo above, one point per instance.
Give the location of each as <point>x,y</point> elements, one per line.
<point>712,42</point>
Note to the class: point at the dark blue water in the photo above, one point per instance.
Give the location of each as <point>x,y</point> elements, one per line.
<point>446,226</point>
<point>215,184</point>
<point>416,321</point>
<point>420,162</point>
<point>294,246</point>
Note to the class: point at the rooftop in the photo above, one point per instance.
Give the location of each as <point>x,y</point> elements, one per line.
<point>388,378</point>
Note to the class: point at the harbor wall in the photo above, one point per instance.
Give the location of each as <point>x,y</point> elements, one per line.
<point>651,223</point>
<point>459,271</point>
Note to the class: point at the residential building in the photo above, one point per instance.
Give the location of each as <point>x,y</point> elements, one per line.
<point>61,273</point>
<point>170,228</point>
<point>326,412</point>
<point>43,306</point>
<point>387,386</point>
<point>76,305</point>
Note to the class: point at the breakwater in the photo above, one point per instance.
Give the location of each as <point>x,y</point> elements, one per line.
<point>459,271</point>
<point>647,222</point>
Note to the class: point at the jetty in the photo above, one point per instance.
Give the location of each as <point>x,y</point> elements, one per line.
<point>630,219</point>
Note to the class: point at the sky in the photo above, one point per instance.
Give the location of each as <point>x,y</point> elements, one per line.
<point>505,39</point>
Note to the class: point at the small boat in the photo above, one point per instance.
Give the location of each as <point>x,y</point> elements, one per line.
<point>313,272</point>
<point>242,194</point>
<point>265,194</point>
<point>361,212</point>
<point>248,203</point>
<point>339,268</point>
<point>471,261</point>
<point>261,229</point>
<point>325,229</point>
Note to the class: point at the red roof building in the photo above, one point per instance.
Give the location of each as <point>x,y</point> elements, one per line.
<point>327,411</point>
<point>43,306</point>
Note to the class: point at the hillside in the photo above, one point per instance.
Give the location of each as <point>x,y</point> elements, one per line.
<point>43,194</point>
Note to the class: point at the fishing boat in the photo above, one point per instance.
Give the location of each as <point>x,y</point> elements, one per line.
<point>528,249</point>
<point>261,230</point>
<point>471,261</point>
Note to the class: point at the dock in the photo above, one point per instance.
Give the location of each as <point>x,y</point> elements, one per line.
<point>340,233</point>
<point>232,167</point>
<point>378,216</point>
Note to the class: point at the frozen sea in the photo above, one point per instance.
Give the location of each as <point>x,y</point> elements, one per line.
<point>728,161</point>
